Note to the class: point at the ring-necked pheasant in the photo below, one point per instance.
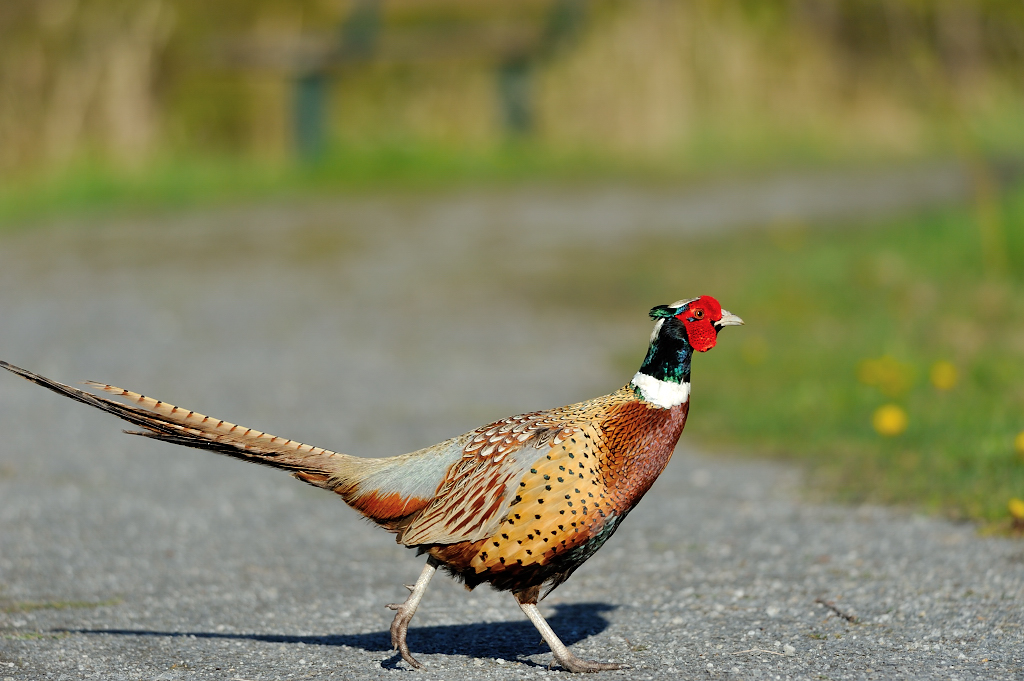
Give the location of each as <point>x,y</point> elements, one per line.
<point>519,503</point>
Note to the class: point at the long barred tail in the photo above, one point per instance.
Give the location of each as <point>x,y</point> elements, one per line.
<point>388,491</point>
<point>165,422</point>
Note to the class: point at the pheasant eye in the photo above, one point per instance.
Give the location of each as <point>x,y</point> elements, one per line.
<point>698,314</point>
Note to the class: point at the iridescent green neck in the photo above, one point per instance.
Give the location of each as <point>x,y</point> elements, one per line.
<point>668,358</point>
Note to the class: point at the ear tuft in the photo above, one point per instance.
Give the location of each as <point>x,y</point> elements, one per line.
<point>662,312</point>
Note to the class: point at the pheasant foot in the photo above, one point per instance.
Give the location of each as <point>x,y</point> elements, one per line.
<point>405,611</point>
<point>561,653</point>
<point>578,665</point>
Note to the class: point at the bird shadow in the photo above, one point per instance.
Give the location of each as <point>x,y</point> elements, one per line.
<point>510,641</point>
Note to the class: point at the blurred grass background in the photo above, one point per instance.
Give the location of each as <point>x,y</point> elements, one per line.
<point>106,101</point>
<point>144,103</point>
<point>841,322</point>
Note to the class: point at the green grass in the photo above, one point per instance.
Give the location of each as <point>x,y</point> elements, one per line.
<point>97,189</point>
<point>820,302</point>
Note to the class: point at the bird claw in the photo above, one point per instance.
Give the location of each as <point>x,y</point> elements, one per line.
<point>578,665</point>
<point>399,628</point>
<point>394,606</point>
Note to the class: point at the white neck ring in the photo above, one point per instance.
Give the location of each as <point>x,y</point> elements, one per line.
<point>664,394</point>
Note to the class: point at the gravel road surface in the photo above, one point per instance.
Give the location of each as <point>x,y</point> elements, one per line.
<point>371,326</point>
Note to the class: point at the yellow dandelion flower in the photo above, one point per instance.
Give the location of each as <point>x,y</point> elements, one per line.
<point>1018,444</point>
<point>890,420</point>
<point>943,375</point>
<point>1016,507</point>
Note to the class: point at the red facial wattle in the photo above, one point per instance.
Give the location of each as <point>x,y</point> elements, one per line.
<point>699,317</point>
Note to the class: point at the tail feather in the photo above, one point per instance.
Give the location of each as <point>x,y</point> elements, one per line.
<point>388,491</point>
<point>219,431</point>
<point>168,423</point>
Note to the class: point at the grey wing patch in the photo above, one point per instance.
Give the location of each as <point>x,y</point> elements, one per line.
<point>418,474</point>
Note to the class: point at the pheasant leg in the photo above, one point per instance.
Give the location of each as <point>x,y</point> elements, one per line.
<point>400,625</point>
<point>562,655</point>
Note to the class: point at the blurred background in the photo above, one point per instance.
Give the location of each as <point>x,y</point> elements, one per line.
<point>162,91</point>
<point>845,175</point>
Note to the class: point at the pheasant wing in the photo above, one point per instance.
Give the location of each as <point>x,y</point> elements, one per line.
<point>477,490</point>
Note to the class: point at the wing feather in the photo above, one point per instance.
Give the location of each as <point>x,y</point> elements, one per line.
<point>477,491</point>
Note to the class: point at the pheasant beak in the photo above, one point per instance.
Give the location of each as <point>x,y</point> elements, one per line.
<point>728,319</point>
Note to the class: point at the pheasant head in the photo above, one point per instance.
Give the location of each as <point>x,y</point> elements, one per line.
<point>679,329</point>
